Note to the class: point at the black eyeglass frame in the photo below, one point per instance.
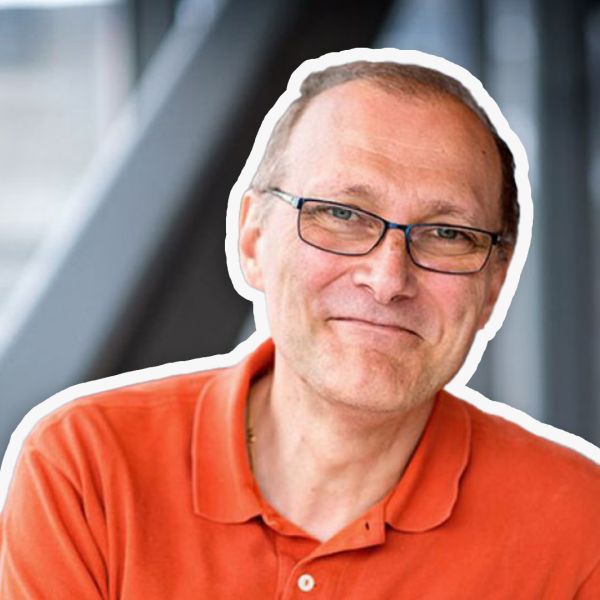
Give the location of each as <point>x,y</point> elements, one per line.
<point>298,201</point>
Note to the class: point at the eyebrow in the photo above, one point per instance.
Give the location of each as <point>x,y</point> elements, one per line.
<point>358,191</point>
<point>432,208</point>
<point>437,208</point>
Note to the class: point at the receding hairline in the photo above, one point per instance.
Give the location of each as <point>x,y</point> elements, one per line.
<point>422,98</point>
<point>405,81</point>
<point>410,82</point>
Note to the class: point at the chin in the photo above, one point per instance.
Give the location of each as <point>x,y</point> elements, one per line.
<point>375,400</point>
<point>367,380</point>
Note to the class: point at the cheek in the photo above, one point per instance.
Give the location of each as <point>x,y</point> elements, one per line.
<point>282,262</point>
<point>459,304</point>
<point>298,282</point>
<point>277,252</point>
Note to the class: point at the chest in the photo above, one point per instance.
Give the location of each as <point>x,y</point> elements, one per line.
<point>250,561</point>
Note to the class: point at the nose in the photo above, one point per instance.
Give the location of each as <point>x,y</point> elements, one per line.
<point>387,271</point>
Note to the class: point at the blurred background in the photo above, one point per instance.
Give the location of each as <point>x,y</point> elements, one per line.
<point>125,123</point>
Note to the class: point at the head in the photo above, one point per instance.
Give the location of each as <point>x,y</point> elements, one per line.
<point>376,332</point>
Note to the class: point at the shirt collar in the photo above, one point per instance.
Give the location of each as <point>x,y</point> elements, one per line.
<point>224,488</point>
<point>428,490</point>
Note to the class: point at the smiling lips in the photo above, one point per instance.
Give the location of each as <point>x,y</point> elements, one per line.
<point>382,325</point>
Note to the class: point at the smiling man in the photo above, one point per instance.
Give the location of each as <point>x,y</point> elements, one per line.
<point>329,463</point>
<point>366,331</point>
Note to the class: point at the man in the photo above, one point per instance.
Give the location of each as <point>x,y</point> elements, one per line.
<point>330,463</point>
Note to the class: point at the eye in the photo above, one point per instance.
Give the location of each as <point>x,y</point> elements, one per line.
<point>447,233</point>
<point>343,214</point>
<point>452,234</point>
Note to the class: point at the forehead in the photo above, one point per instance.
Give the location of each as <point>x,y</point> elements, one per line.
<point>398,153</point>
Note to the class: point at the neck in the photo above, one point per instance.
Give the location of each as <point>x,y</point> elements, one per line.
<point>321,464</point>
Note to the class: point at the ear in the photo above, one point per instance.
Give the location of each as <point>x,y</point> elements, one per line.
<point>498,275</point>
<point>251,233</point>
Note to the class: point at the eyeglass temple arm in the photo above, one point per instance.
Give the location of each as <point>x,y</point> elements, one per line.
<point>293,200</point>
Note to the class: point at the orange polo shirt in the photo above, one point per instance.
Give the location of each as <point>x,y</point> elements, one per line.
<point>145,493</point>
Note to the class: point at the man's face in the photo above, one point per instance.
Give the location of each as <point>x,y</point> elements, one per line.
<point>376,331</point>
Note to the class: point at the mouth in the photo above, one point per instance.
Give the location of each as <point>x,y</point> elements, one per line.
<point>376,326</point>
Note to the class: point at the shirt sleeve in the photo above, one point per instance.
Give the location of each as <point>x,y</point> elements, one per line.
<point>48,550</point>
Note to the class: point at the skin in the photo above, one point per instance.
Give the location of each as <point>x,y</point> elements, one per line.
<point>363,344</point>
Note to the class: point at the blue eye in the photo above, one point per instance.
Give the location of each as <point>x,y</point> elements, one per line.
<point>343,214</point>
<point>447,234</point>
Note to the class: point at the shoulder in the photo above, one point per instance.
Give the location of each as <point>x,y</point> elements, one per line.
<point>110,421</point>
<point>531,470</point>
<point>534,500</point>
<point>520,444</point>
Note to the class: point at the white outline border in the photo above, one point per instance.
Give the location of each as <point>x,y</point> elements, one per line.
<point>457,386</point>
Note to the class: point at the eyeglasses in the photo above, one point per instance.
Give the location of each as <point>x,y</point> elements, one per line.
<point>349,231</point>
